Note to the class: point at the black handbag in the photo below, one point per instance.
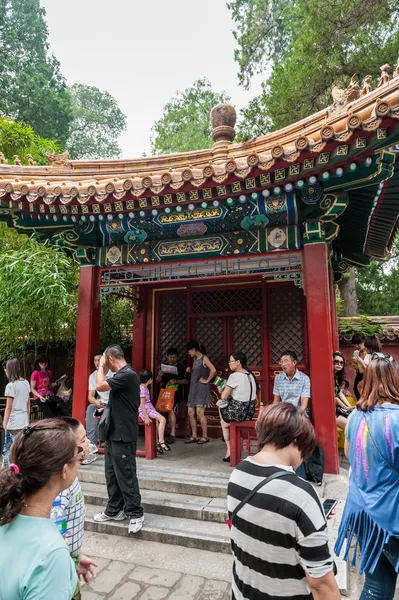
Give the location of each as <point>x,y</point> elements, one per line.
<point>104,425</point>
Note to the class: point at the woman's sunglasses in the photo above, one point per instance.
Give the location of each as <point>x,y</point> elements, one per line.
<point>339,362</point>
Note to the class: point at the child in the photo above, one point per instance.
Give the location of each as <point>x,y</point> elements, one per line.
<point>16,414</point>
<point>74,505</point>
<point>148,412</point>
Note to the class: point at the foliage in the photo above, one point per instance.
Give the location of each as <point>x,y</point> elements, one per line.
<point>378,286</point>
<point>97,123</point>
<point>311,46</point>
<point>116,321</point>
<point>17,138</point>
<point>361,324</point>
<point>32,88</point>
<point>38,294</point>
<point>185,123</point>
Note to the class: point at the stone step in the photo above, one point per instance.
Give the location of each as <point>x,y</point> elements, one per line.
<point>191,533</point>
<point>210,484</point>
<point>200,508</point>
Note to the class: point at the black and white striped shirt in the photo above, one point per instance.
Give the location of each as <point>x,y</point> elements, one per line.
<point>277,536</point>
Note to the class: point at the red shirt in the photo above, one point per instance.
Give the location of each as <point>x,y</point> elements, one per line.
<point>43,380</point>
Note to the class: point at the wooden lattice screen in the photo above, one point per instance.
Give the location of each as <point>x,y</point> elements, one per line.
<point>286,321</point>
<point>227,301</point>
<point>172,324</point>
<point>247,336</point>
<point>209,331</point>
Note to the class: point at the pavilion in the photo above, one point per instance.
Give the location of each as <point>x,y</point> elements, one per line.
<point>237,246</point>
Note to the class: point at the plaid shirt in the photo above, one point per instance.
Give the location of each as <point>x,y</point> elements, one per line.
<point>291,390</point>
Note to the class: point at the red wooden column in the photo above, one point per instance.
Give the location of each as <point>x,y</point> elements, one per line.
<point>87,338</point>
<point>333,302</point>
<point>321,346</point>
<point>139,332</point>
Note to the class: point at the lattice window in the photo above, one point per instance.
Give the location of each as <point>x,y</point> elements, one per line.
<point>247,336</point>
<point>209,331</point>
<point>241,299</point>
<point>286,321</point>
<point>172,324</point>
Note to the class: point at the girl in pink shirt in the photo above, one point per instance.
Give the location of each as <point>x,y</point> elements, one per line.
<point>148,412</point>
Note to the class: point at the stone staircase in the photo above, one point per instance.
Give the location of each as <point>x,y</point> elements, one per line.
<point>182,506</point>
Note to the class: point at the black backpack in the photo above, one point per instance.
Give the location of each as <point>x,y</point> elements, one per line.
<point>314,466</point>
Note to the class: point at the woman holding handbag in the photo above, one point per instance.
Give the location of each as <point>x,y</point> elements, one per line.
<point>238,398</point>
<point>372,506</point>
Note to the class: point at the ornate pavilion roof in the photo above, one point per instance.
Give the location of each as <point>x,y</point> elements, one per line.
<point>331,176</point>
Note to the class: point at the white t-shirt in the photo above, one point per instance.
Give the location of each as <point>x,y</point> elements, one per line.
<point>19,391</point>
<point>239,382</point>
<point>103,396</point>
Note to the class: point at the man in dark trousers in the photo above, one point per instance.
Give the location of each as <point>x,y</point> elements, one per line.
<point>124,500</point>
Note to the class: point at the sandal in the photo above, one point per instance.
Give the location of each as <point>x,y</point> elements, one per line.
<point>191,440</point>
<point>159,449</point>
<point>171,439</point>
<point>202,441</point>
<point>164,446</point>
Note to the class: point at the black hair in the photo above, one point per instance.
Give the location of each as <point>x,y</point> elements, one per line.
<point>41,359</point>
<point>115,351</point>
<point>98,353</point>
<point>145,375</point>
<point>339,375</point>
<point>358,338</point>
<point>13,368</point>
<point>193,345</point>
<point>242,357</point>
<point>373,343</point>
<point>290,353</point>
<point>73,424</point>
<point>172,352</point>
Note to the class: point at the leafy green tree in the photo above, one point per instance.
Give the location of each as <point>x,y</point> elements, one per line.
<point>310,46</point>
<point>97,123</point>
<point>32,88</point>
<point>38,294</point>
<point>185,123</point>
<point>116,321</point>
<point>17,138</point>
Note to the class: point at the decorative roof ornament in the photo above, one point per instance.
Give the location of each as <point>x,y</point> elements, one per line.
<point>342,97</point>
<point>384,77</point>
<point>223,120</point>
<point>366,89</point>
<point>3,160</point>
<point>17,160</point>
<point>31,160</point>
<point>59,160</point>
<point>396,71</point>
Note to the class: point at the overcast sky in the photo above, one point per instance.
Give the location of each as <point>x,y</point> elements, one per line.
<point>142,52</point>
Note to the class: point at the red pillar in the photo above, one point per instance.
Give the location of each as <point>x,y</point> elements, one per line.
<point>321,346</point>
<point>87,338</point>
<point>139,332</point>
<point>333,302</point>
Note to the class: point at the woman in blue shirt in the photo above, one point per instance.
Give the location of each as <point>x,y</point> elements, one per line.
<point>372,507</point>
<point>34,557</point>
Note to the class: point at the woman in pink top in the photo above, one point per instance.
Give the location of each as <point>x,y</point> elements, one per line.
<point>42,389</point>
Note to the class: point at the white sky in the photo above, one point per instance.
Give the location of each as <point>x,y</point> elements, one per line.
<point>143,52</point>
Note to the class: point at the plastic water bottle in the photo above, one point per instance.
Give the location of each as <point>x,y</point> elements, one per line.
<point>59,517</point>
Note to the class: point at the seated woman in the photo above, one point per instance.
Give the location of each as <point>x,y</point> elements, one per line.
<point>342,405</point>
<point>238,398</point>
<point>279,535</point>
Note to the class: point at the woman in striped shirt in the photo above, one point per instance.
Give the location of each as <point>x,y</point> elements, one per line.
<point>279,536</point>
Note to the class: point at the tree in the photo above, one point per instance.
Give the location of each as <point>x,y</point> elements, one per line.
<point>185,123</point>
<point>311,46</point>
<point>32,88</point>
<point>97,123</point>
<point>16,138</point>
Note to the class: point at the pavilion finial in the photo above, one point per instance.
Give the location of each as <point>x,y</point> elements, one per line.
<point>223,120</point>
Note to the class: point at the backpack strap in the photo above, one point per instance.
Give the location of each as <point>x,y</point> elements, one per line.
<point>256,489</point>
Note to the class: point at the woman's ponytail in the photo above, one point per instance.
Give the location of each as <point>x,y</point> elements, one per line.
<point>11,495</point>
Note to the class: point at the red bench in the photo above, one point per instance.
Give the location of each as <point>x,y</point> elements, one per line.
<point>150,441</point>
<point>243,441</point>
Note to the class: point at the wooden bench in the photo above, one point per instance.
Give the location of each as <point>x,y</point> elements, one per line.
<point>243,441</point>
<point>150,441</point>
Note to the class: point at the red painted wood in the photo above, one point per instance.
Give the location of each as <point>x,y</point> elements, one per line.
<point>87,338</point>
<point>235,449</point>
<point>150,440</point>
<point>321,346</point>
<point>334,318</point>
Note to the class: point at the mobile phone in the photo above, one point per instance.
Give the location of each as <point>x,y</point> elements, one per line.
<point>98,412</point>
<point>328,506</point>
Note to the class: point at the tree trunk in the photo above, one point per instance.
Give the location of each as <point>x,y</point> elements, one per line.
<point>347,288</point>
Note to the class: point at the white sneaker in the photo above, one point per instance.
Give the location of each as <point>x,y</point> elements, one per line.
<point>93,448</point>
<point>87,461</point>
<point>102,517</point>
<point>136,524</point>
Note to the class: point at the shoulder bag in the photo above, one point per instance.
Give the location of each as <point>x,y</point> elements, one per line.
<point>236,410</point>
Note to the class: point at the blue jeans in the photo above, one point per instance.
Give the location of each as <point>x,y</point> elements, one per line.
<point>9,438</point>
<point>380,585</point>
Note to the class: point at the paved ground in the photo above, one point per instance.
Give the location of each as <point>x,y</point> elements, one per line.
<point>135,569</point>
